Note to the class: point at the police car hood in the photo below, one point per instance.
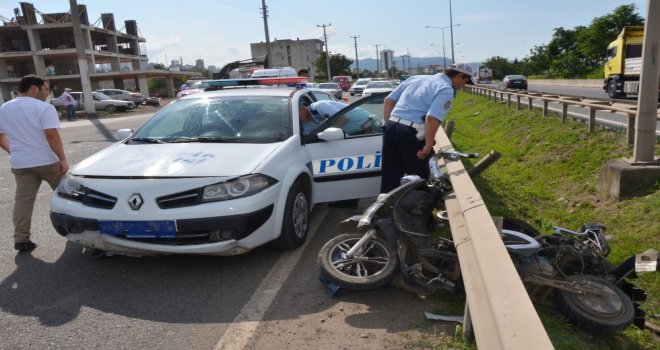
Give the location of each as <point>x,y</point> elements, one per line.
<point>175,160</point>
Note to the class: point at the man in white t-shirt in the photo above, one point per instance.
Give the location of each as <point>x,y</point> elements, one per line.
<point>29,133</point>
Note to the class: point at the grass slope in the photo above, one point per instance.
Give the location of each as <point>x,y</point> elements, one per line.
<point>548,175</point>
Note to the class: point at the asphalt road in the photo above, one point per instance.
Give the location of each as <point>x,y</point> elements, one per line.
<point>58,297</point>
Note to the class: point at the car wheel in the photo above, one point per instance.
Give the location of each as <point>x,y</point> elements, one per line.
<point>352,94</point>
<point>110,108</point>
<point>296,218</point>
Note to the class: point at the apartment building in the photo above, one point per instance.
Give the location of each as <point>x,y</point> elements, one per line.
<point>291,53</point>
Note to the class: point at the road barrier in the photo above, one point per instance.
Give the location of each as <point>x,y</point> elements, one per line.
<point>498,310</point>
<point>591,104</point>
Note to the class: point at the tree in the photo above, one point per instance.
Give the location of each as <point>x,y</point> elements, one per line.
<point>592,43</point>
<point>499,65</point>
<point>339,65</point>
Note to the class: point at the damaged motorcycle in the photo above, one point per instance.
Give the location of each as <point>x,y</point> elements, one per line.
<point>397,236</point>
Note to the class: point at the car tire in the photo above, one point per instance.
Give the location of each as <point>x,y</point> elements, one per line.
<point>352,94</point>
<point>110,108</point>
<point>296,218</point>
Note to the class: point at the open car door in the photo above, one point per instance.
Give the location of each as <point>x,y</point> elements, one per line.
<point>345,152</point>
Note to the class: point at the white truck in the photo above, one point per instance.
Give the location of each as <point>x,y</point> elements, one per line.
<point>485,75</point>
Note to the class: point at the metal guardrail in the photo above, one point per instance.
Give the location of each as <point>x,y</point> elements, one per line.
<point>592,104</point>
<point>498,310</point>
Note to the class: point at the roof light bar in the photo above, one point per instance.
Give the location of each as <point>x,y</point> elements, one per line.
<point>256,81</point>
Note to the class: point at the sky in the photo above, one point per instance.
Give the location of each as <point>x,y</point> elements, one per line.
<point>220,31</point>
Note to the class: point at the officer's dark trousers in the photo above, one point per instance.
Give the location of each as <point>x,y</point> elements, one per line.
<point>400,146</point>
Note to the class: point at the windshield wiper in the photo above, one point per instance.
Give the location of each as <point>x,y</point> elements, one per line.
<point>198,139</point>
<point>146,140</point>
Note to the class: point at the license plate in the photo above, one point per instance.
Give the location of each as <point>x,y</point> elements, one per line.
<point>138,229</point>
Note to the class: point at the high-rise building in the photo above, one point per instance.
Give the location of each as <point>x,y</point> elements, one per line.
<point>199,63</point>
<point>387,57</point>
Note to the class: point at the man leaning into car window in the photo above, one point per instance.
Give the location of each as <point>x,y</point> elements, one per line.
<point>313,114</point>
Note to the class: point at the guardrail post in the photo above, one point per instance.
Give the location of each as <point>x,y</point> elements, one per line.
<point>508,99</point>
<point>630,130</point>
<point>517,102</point>
<point>545,108</point>
<point>592,119</point>
<point>529,103</point>
<point>564,112</point>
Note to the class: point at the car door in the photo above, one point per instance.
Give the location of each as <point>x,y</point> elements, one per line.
<point>345,152</point>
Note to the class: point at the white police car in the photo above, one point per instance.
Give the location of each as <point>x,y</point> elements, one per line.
<point>220,173</point>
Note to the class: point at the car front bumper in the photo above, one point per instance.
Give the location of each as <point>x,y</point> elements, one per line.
<point>215,228</point>
<point>211,235</point>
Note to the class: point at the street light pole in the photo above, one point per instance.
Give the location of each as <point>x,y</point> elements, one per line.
<point>443,40</point>
<point>377,60</point>
<point>451,33</point>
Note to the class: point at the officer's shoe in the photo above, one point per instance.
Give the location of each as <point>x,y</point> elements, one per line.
<point>25,246</point>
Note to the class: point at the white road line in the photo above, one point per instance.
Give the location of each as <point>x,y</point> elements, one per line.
<point>244,325</point>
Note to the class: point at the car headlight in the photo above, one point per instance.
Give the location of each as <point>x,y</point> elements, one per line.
<point>71,187</point>
<point>237,188</point>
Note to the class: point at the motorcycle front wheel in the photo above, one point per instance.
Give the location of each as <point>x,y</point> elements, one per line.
<point>607,310</point>
<point>373,267</point>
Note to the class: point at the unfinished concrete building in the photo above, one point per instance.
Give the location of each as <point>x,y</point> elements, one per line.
<point>71,52</point>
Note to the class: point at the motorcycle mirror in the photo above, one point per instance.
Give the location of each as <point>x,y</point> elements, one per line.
<point>647,261</point>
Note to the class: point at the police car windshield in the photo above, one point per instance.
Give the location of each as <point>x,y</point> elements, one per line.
<point>222,119</point>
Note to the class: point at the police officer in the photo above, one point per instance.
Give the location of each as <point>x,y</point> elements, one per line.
<point>413,112</point>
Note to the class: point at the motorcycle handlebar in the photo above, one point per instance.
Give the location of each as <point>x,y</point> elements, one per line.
<point>457,155</point>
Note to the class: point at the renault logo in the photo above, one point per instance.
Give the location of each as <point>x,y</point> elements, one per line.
<point>135,202</point>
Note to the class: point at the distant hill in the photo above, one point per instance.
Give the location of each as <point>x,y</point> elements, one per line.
<point>370,63</point>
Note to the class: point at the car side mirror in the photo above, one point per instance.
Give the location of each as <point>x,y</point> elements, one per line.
<point>331,134</point>
<point>124,133</point>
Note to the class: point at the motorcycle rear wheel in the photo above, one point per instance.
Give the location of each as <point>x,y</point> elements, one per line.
<point>375,266</point>
<point>611,313</point>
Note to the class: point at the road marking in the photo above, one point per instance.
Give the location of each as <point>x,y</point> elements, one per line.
<point>242,329</point>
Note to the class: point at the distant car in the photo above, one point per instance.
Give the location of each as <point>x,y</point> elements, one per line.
<point>514,82</point>
<point>359,86</point>
<point>220,173</point>
<point>377,86</point>
<point>102,102</point>
<point>331,88</point>
<point>117,94</point>
<point>344,81</point>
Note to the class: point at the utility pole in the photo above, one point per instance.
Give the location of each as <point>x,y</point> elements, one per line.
<point>327,50</point>
<point>268,53</point>
<point>357,62</point>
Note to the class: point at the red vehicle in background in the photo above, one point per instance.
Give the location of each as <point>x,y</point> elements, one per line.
<point>344,81</point>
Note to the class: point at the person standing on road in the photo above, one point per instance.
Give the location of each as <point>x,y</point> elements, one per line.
<point>69,104</point>
<point>413,112</point>
<point>29,133</point>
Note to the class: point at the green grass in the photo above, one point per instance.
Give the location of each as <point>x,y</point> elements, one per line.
<point>548,175</point>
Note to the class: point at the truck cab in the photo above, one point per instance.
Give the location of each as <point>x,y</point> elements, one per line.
<point>624,63</point>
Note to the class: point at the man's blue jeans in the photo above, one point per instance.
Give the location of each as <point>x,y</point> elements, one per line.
<point>70,112</point>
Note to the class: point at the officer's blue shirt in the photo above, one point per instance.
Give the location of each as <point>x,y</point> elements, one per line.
<point>320,111</point>
<point>423,95</point>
